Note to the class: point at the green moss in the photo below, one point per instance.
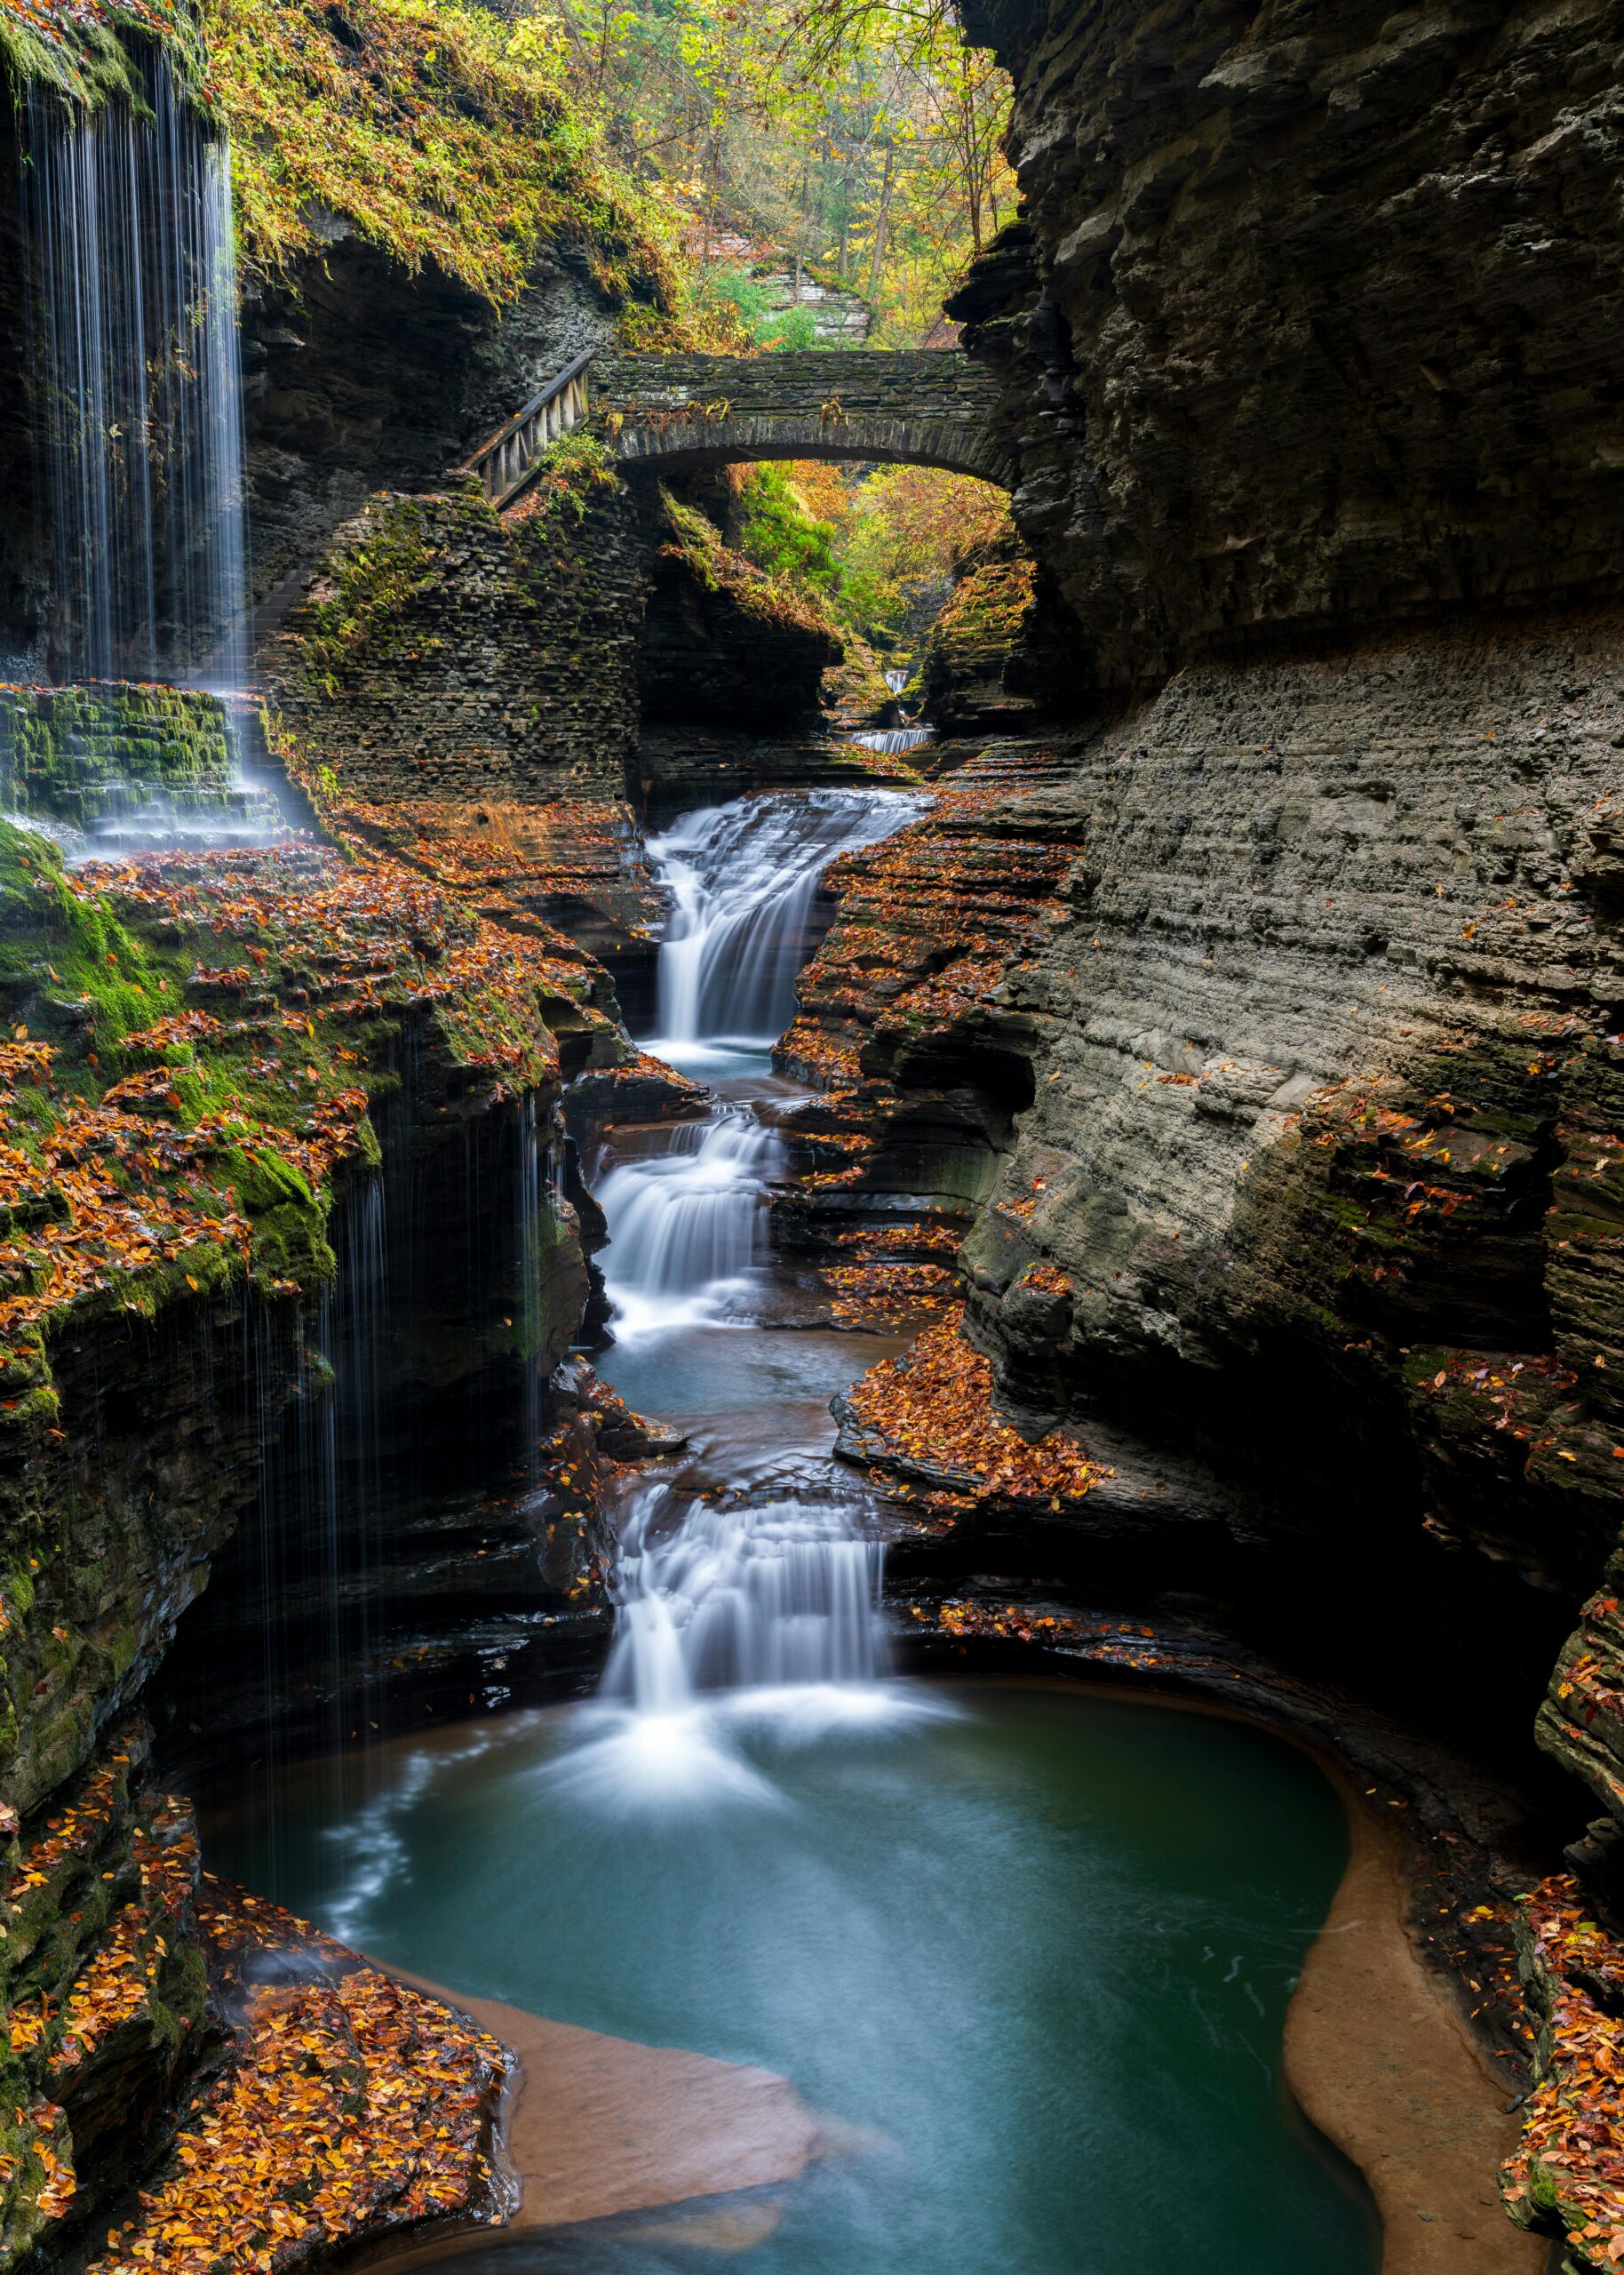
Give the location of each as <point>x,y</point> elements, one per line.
<point>93,53</point>
<point>443,132</point>
<point>290,1244</point>
<point>373,584</point>
<point>571,474</point>
<point>73,973</point>
<point>65,752</point>
<point>183,1986</point>
<point>781,601</point>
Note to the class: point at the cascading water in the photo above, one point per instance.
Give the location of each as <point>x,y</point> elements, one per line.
<point>734,1595</point>
<point>894,740</point>
<point>684,1224</point>
<point>684,1221</point>
<point>728,1603</point>
<point>737,1612</point>
<point>744,879</point>
<point>137,355</point>
<point>139,414</point>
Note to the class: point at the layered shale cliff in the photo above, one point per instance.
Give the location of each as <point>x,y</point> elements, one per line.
<point>1312,318</point>
<point>1279,996</point>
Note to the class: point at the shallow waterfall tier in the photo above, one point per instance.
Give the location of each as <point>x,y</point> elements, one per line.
<point>733,1595</point>
<point>737,1590</point>
<point>893,741</point>
<point>685,1222</point>
<point>743,880</point>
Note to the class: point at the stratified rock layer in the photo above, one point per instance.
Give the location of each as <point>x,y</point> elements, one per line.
<point>1315,316</point>
<point>1278,1020</point>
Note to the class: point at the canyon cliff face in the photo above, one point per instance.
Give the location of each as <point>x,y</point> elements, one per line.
<point>1313,315</point>
<point>1310,366</point>
<point>220,1069</point>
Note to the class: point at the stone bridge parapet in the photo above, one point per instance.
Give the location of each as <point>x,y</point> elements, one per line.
<point>915,407</point>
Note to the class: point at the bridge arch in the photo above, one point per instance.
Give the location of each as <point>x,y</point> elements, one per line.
<point>914,407</point>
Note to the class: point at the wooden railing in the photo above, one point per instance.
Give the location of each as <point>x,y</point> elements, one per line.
<point>507,461</point>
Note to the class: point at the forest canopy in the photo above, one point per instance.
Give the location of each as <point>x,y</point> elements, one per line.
<point>684,146</point>
<point>861,143</point>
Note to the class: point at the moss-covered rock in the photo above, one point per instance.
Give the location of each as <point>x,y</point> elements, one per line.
<point>724,643</point>
<point>94,52</point>
<point>73,753</point>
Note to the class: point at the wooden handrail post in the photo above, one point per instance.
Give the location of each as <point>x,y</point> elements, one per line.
<point>507,460</point>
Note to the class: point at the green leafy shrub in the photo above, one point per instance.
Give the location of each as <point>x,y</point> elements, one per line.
<point>442,132</point>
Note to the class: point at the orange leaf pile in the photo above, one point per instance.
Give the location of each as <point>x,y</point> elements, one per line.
<point>353,2105</point>
<point>1567,2173</point>
<point>930,1415</point>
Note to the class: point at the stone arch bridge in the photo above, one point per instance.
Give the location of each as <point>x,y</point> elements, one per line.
<point>673,413</point>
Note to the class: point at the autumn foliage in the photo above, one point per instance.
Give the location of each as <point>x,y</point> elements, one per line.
<point>931,1416</point>
<point>350,2103</point>
<point>1567,2173</point>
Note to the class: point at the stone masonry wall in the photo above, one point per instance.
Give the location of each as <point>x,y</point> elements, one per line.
<point>441,653</point>
<point>932,406</point>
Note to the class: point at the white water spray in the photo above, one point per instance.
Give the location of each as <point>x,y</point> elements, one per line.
<point>743,880</point>
<point>131,223</point>
<point>894,740</point>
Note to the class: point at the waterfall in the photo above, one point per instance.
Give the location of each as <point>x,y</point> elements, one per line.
<point>758,1604</point>
<point>136,352</point>
<point>685,1222</point>
<point>894,740</point>
<point>731,1596</point>
<point>743,880</point>
<point>740,1620</point>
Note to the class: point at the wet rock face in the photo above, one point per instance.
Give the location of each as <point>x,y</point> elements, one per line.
<point>1315,318</point>
<point>721,647</point>
<point>1308,1177</point>
<point>1324,1026</point>
<point>103,1985</point>
<point>359,377</point>
<point>401,1526</point>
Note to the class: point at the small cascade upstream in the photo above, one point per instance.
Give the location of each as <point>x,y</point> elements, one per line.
<point>744,879</point>
<point>686,1222</point>
<point>894,740</point>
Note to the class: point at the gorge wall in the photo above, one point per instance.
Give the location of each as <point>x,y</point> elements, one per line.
<point>1255,1031</point>
<point>1311,318</point>
<point>1310,367</point>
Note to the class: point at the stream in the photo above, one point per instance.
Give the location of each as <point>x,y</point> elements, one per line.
<point>1027,1951</point>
